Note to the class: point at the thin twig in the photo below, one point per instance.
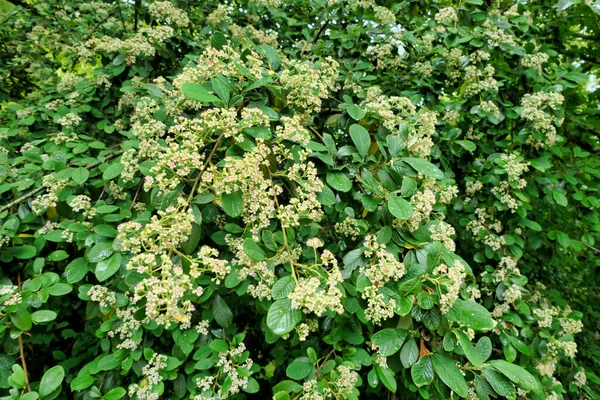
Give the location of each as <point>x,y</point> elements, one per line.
<point>39,189</point>
<point>591,247</point>
<point>206,163</point>
<point>21,350</point>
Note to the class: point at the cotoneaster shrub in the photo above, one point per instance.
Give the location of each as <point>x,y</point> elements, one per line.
<point>299,200</point>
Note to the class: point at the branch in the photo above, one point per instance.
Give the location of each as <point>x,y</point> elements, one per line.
<point>39,189</point>
<point>21,350</point>
<point>206,163</point>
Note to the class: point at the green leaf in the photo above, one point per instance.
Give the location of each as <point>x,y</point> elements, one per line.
<point>518,375</point>
<point>282,288</point>
<point>112,171</point>
<point>356,112</point>
<point>218,345</point>
<point>51,380</point>
<point>21,319</point>
<point>409,353</point>
<point>100,251</point>
<point>220,89</point>
<point>300,368</point>
<point>422,371</point>
<point>287,386</point>
<point>76,270</point>
<point>281,396</point>
<point>197,92</point>
<point>467,145</point>
<point>42,316</point>
<point>560,198</point>
<point>106,231</point>
<point>361,139</point>
<point>23,252</point>
<point>115,394</point>
<point>282,318</point>
<point>17,379</point>
<point>484,347</point>
<point>472,315</point>
<point>450,375</point>
<point>107,268</point>
<point>425,167</point>
<point>472,354</point>
<point>232,204</point>
<point>386,375</point>
<point>499,383</point>
<point>253,250</point>
<point>326,197</point>
<point>483,389</point>
<point>222,312</point>
<point>80,175</point>
<point>252,386</point>
<point>339,181</point>
<point>82,382</point>
<point>389,340</point>
<point>57,255</point>
<point>399,207</point>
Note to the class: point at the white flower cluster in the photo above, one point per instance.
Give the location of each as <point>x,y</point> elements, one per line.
<point>82,203</point>
<point>454,278</point>
<point>545,316</point>
<point>165,11</point>
<point>443,232</point>
<point>151,372</point>
<point>231,363</point>
<point>251,176</point>
<point>311,297</point>
<point>580,379</point>
<point>307,84</point>
<point>384,15</point>
<point>383,268</point>
<point>446,15</point>
<point>482,229</point>
<point>49,199</point>
<point>478,81</point>
<point>71,120</point>
<point>13,298</point>
<point>568,347</point>
<point>266,3</point>
<point>348,227</point>
<point>128,329</point>
<point>535,61</point>
<point>305,328</point>
<point>535,110</point>
<point>102,295</point>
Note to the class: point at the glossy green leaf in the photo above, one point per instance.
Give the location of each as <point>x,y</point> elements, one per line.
<point>450,374</point>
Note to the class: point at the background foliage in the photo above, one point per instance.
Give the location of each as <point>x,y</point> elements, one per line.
<point>299,199</point>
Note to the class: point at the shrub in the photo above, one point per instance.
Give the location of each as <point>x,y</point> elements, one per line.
<point>298,200</point>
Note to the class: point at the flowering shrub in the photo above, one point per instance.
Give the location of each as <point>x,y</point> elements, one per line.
<point>299,200</point>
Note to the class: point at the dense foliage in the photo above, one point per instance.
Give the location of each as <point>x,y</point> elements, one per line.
<point>299,199</point>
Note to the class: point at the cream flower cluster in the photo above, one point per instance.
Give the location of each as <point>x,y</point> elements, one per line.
<point>49,199</point>
<point>443,232</point>
<point>348,227</point>
<point>259,186</point>
<point>171,15</point>
<point>311,297</point>
<point>483,230</point>
<point>536,110</point>
<point>307,84</point>
<point>83,204</point>
<point>383,268</point>
<point>454,278</point>
<point>152,377</point>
